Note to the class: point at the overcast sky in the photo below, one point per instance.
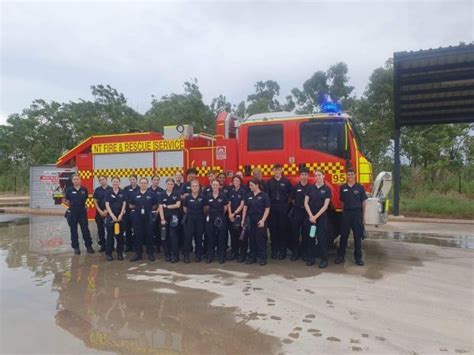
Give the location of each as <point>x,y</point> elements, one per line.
<point>56,50</point>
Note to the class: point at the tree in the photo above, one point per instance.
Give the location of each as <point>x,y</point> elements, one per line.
<point>264,98</point>
<point>186,108</point>
<point>373,115</point>
<point>333,82</point>
<point>220,104</point>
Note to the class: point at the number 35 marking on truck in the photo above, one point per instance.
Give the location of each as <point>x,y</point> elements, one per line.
<point>339,178</point>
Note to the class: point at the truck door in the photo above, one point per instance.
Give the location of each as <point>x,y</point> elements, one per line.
<point>263,145</point>
<point>322,144</point>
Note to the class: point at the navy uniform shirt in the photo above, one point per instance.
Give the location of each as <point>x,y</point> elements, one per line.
<point>178,188</point>
<point>185,188</point>
<point>159,191</point>
<point>170,199</point>
<point>115,200</point>
<point>236,197</point>
<point>298,193</point>
<point>129,190</point>
<point>279,191</point>
<point>145,200</point>
<point>225,190</point>
<point>206,190</point>
<point>99,195</point>
<point>216,204</point>
<point>256,204</point>
<point>77,198</point>
<point>352,197</point>
<point>194,206</point>
<point>317,197</point>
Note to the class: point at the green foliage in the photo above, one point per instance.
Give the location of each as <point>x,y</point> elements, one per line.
<point>451,205</point>
<point>373,115</point>
<point>183,108</point>
<point>333,82</point>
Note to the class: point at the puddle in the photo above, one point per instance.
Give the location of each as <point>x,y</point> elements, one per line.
<point>447,241</point>
<point>83,304</point>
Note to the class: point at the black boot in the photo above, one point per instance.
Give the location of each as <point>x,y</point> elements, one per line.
<point>186,259</point>
<point>151,257</point>
<point>294,256</point>
<point>109,257</point>
<point>102,249</point>
<point>119,256</point>
<point>90,250</point>
<point>136,257</point>
<point>323,264</point>
<point>77,251</point>
<point>339,260</point>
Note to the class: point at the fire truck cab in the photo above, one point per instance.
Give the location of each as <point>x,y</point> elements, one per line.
<point>327,142</point>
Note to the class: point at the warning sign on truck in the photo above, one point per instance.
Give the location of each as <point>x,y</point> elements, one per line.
<point>221,153</point>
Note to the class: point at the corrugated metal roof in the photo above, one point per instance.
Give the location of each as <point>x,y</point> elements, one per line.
<point>434,86</point>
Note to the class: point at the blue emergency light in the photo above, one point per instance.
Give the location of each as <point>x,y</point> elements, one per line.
<point>327,105</point>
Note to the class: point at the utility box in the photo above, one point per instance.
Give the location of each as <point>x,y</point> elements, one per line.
<point>375,213</point>
<point>46,185</point>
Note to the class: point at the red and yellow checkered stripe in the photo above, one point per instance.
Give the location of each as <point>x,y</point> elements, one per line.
<point>292,169</point>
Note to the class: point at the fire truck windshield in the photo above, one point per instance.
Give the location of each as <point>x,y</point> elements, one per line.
<point>323,136</point>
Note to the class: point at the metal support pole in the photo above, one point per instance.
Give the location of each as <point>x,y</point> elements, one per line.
<point>396,173</point>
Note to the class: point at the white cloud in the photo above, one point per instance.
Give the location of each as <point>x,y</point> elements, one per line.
<point>55,50</point>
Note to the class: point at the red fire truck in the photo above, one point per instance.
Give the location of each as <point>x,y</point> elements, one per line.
<point>325,141</point>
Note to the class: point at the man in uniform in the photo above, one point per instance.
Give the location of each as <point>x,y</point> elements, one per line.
<point>100,213</point>
<point>257,174</point>
<point>298,216</point>
<point>279,191</point>
<point>75,198</point>
<point>128,191</point>
<point>191,174</point>
<point>353,197</point>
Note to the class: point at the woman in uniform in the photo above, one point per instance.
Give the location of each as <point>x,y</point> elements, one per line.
<point>316,203</point>
<point>254,219</point>
<point>169,212</point>
<point>143,205</point>
<point>216,230</point>
<point>237,193</point>
<point>193,206</point>
<point>115,204</point>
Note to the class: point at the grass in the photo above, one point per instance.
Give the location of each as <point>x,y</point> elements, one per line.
<point>432,204</point>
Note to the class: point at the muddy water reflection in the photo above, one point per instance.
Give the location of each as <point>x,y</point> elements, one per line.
<point>97,304</point>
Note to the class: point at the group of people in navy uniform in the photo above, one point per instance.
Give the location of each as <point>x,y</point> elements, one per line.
<point>186,218</point>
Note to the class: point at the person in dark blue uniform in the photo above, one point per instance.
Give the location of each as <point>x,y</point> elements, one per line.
<point>75,198</point>
<point>257,174</point>
<point>155,188</point>
<point>216,229</point>
<point>207,189</point>
<point>298,216</point>
<point>129,190</point>
<point>353,197</point>
<point>237,193</point>
<point>225,189</point>
<point>100,211</point>
<point>170,205</point>
<point>316,203</point>
<point>115,204</point>
<point>143,206</point>
<point>254,220</point>
<point>193,206</point>
<point>279,191</point>
<point>178,181</point>
<point>191,174</point>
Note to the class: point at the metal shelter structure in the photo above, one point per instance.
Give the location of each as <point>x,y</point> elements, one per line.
<point>432,86</point>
